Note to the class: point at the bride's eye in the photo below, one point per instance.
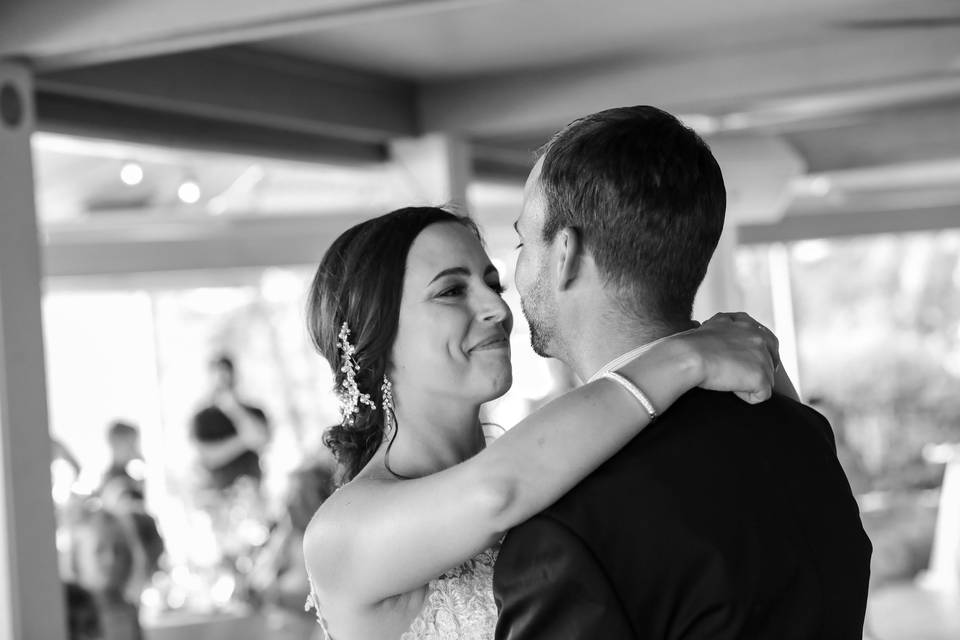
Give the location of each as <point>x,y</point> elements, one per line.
<point>451,292</point>
<point>498,288</point>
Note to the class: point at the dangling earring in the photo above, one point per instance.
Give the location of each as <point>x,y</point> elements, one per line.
<point>390,427</point>
<point>386,393</point>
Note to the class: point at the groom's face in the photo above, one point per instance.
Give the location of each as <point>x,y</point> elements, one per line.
<point>532,274</point>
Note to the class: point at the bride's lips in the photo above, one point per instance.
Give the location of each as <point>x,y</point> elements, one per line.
<point>493,342</point>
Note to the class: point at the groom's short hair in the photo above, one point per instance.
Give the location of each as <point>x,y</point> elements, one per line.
<point>647,197</point>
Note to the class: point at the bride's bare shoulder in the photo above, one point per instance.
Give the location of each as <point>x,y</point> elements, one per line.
<point>339,530</point>
<point>347,506</point>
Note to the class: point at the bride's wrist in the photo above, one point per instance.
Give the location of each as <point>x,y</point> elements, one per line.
<point>667,371</point>
<point>687,359</point>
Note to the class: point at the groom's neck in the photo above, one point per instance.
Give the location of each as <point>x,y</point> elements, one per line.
<point>612,334</point>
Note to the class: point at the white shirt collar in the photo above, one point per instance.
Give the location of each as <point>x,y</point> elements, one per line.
<point>618,362</point>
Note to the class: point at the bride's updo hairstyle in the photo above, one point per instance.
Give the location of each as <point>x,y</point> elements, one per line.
<point>360,282</point>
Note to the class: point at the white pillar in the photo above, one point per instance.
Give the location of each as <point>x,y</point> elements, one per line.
<point>439,165</point>
<point>757,170</point>
<point>943,573</point>
<point>784,317</point>
<point>719,291</point>
<point>31,596</point>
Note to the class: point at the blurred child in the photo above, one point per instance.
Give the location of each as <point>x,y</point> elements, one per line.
<point>102,562</point>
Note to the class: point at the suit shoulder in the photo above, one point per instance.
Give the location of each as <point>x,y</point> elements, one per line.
<point>703,432</point>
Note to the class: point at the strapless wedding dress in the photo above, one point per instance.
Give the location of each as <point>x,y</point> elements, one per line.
<point>459,604</point>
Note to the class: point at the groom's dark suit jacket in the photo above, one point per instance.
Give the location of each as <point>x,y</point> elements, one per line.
<point>721,520</point>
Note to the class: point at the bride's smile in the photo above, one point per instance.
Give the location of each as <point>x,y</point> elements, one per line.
<point>497,341</point>
<point>453,332</point>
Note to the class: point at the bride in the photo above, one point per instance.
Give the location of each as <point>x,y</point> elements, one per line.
<point>407,308</point>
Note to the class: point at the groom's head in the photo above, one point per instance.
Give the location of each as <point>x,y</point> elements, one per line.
<point>623,211</point>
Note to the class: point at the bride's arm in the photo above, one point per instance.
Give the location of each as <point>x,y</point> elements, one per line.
<point>783,385</point>
<point>374,540</point>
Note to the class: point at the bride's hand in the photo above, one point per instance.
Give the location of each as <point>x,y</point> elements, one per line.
<point>735,353</point>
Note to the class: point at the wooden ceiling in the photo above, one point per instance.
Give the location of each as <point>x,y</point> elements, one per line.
<point>848,84</point>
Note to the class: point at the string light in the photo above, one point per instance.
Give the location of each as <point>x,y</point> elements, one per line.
<point>131,174</point>
<point>189,192</point>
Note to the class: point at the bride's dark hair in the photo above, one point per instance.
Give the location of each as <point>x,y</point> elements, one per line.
<point>360,282</point>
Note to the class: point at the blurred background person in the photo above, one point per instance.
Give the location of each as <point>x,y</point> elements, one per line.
<point>102,555</point>
<point>229,434</point>
<point>125,501</point>
<point>60,453</point>
<point>64,471</point>
<point>280,575</point>
<point>126,458</point>
<point>83,619</point>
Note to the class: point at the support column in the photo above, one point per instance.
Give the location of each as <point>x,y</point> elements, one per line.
<point>943,573</point>
<point>31,596</point>
<point>757,170</point>
<point>719,291</point>
<point>439,166</point>
<point>784,316</point>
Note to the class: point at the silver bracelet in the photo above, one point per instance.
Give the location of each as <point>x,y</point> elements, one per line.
<point>635,392</point>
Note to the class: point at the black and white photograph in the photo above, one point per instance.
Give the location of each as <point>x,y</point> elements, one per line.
<point>480,320</point>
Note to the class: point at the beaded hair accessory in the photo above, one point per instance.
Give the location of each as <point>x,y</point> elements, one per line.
<point>349,393</point>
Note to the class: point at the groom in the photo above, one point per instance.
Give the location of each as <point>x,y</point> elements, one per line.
<point>722,519</point>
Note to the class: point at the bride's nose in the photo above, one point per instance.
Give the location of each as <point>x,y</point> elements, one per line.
<point>494,309</point>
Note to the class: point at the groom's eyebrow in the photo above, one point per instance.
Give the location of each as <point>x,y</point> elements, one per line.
<point>516,226</point>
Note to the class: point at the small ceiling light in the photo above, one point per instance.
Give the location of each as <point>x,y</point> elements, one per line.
<point>820,186</point>
<point>189,192</point>
<point>131,174</point>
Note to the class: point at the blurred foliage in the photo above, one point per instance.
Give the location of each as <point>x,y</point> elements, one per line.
<point>878,339</point>
<point>878,321</point>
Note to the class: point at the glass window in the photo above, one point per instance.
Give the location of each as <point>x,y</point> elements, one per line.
<point>141,356</point>
<point>878,346</point>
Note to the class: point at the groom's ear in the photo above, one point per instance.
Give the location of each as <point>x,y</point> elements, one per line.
<point>569,246</point>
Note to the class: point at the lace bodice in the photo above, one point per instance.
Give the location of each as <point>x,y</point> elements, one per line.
<point>459,604</point>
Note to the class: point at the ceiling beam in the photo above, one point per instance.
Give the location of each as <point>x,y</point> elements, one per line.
<point>898,136</point>
<point>58,34</point>
<point>499,162</point>
<point>168,243</point>
<point>875,138</point>
<point>93,119</point>
<point>241,86</point>
<point>810,226</point>
<point>833,72</point>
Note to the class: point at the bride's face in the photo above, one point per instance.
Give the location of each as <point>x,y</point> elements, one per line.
<point>454,327</point>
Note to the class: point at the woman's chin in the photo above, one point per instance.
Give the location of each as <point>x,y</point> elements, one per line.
<point>498,386</point>
<point>503,385</point>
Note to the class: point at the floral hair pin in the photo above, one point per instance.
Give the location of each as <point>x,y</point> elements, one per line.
<point>349,393</point>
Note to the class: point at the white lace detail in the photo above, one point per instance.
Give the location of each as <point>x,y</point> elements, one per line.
<point>313,603</point>
<point>459,604</point>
